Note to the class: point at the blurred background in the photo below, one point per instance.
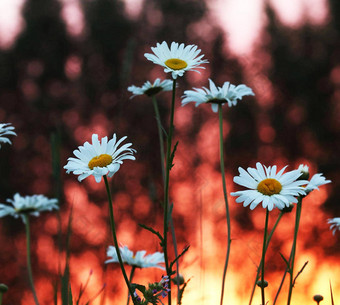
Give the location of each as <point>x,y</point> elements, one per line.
<point>64,71</point>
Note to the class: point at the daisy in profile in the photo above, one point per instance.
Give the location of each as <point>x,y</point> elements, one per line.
<point>314,183</point>
<point>139,259</point>
<point>6,130</point>
<point>150,89</point>
<point>266,186</point>
<point>99,158</point>
<point>334,224</point>
<point>177,59</point>
<point>28,205</point>
<point>228,93</point>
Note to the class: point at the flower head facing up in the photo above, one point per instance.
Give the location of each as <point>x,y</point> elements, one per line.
<point>150,89</point>
<point>139,259</point>
<point>28,205</point>
<point>99,158</point>
<point>6,130</point>
<point>177,59</point>
<point>266,186</point>
<point>334,224</point>
<point>228,93</point>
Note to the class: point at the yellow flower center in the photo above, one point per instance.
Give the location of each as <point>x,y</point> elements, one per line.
<point>101,161</point>
<point>176,64</point>
<point>269,187</point>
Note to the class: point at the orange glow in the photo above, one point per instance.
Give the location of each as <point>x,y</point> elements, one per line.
<point>195,188</point>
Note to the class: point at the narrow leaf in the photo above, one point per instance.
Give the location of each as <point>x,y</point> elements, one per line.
<point>181,254</point>
<point>330,286</point>
<point>173,155</point>
<point>152,231</point>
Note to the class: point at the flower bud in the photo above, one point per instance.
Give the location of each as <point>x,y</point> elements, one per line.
<point>263,284</point>
<point>305,172</point>
<point>287,209</point>
<point>178,280</point>
<point>318,298</point>
<point>3,288</point>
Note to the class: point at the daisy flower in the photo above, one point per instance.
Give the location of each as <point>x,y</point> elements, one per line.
<point>138,260</point>
<point>28,205</point>
<point>314,183</point>
<point>335,224</point>
<point>177,59</point>
<point>99,158</point>
<point>6,130</point>
<point>151,89</point>
<point>228,93</point>
<point>266,186</point>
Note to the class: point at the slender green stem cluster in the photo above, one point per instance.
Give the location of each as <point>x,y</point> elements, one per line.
<point>29,266</point>
<point>293,252</point>
<point>161,144</point>
<point>225,200</point>
<point>263,258</point>
<point>132,272</point>
<point>160,135</point>
<point>166,186</point>
<point>114,235</point>
<point>260,265</point>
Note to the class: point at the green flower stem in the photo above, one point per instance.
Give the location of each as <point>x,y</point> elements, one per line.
<point>225,199</point>
<point>161,144</point>
<point>283,279</point>
<point>132,272</point>
<point>263,257</point>
<point>160,134</point>
<point>29,266</point>
<point>260,265</point>
<point>113,229</point>
<point>166,186</point>
<point>296,229</point>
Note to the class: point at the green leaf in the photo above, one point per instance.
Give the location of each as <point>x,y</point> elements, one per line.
<point>141,288</point>
<point>55,292</point>
<point>287,263</point>
<point>70,302</point>
<point>181,254</point>
<point>152,231</point>
<point>173,156</point>
<point>65,285</point>
<point>330,286</point>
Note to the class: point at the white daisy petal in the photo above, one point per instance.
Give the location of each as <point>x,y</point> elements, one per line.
<point>214,95</point>
<point>266,186</point>
<point>99,158</point>
<point>178,59</point>
<point>28,205</point>
<point>334,224</point>
<point>6,130</point>
<point>150,89</point>
<point>140,260</point>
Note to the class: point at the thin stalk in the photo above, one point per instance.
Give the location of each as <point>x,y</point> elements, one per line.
<point>160,135</point>
<point>0,298</point>
<point>263,257</point>
<point>132,272</point>
<point>166,186</point>
<point>291,268</point>
<point>161,144</point>
<point>114,235</point>
<point>29,266</point>
<point>225,200</point>
<point>260,265</point>
<point>283,278</point>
